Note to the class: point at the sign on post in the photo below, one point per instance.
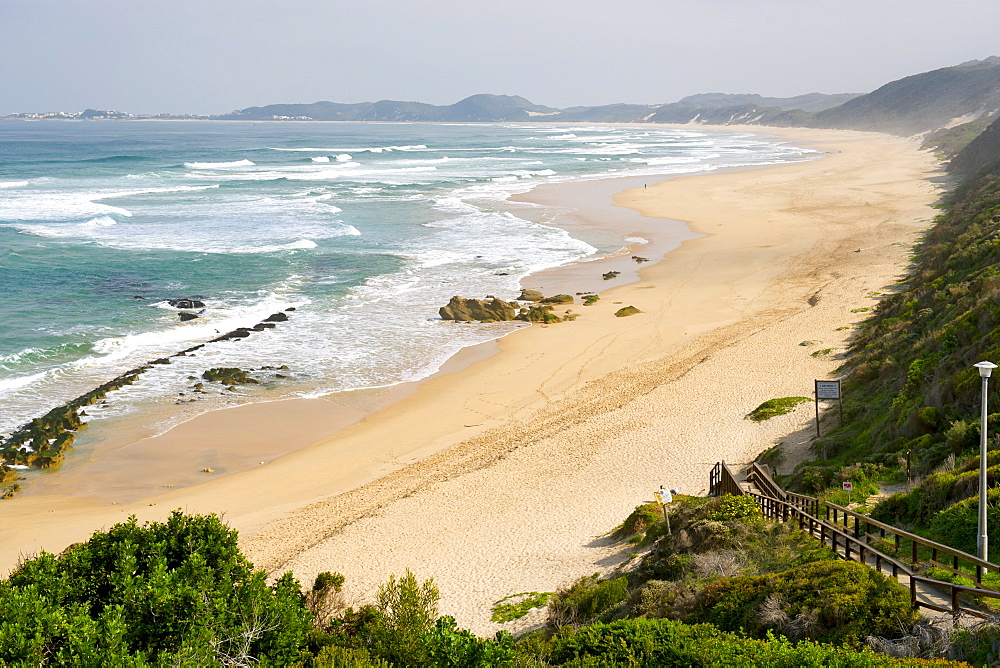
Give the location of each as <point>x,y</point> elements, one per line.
<point>828,390</point>
<point>664,496</point>
<point>848,486</point>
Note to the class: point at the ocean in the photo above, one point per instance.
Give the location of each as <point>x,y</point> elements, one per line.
<point>365,230</point>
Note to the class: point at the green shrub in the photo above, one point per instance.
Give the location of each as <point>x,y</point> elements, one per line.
<point>450,647</point>
<point>640,519</point>
<point>731,508</point>
<point>407,612</point>
<point>774,407</point>
<point>516,606</point>
<point>664,643</point>
<point>173,592</point>
<point>830,601</point>
<point>585,599</point>
<point>958,525</point>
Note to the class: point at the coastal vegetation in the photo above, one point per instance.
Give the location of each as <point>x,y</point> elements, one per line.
<point>910,436</point>
<point>725,586</point>
<point>774,407</point>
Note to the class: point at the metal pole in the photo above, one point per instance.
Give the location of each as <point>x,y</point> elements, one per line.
<point>907,470</point>
<point>983,544</point>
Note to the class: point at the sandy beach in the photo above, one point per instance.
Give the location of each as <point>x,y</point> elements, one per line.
<point>501,475</point>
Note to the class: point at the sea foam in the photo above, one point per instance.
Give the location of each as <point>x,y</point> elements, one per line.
<point>219,165</point>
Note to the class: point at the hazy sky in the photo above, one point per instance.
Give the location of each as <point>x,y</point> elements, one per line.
<point>213,56</point>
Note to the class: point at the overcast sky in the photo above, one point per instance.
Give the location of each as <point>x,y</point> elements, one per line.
<point>214,56</point>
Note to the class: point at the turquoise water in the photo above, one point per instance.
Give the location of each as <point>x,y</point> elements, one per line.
<point>365,229</point>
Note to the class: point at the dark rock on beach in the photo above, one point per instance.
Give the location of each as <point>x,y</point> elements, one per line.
<point>276,317</point>
<point>530,296</point>
<point>185,316</point>
<point>558,299</point>
<point>469,310</point>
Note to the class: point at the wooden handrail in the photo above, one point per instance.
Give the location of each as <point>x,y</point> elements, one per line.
<point>762,479</point>
<point>722,481</point>
<point>920,540</point>
<point>778,504</point>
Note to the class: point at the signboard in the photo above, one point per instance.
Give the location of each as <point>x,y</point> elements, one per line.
<point>663,495</point>
<point>828,389</point>
<point>848,485</point>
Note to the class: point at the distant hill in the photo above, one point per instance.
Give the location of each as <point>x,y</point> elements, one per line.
<point>956,103</point>
<point>807,102</point>
<point>489,108</point>
<point>921,102</point>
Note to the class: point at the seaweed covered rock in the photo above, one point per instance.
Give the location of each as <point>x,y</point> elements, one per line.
<point>626,311</point>
<point>468,310</point>
<point>558,299</point>
<point>228,376</point>
<point>542,314</point>
<point>530,296</point>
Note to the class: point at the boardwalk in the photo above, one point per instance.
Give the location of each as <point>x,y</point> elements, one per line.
<point>882,547</point>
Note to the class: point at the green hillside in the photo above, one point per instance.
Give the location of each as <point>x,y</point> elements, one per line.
<point>910,386</point>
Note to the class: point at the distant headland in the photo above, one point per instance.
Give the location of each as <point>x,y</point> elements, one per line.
<point>911,105</point>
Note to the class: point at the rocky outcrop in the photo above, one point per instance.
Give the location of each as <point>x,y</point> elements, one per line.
<point>229,376</point>
<point>558,299</point>
<point>186,303</point>
<point>626,311</point>
<point>470,310</point>
<point>185,316</point>
<point>530,296</point>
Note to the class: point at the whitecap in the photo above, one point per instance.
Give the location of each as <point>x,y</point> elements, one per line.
<point>13,184</point>
<point>344,157</point>
<point>100,221</point>
<point>320,158</point>
<point>219,165</point>
<point>21,381</point>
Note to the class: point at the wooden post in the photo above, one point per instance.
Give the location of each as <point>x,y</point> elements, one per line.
<point>666,517</point>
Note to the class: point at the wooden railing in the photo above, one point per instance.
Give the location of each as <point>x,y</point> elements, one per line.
<point>761,479</point>
<point>722,481</point>
<point>860,538</point>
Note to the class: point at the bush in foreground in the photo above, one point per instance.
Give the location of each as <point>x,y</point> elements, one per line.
<point>177,592</point>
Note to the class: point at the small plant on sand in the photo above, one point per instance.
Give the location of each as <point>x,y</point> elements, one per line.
<point>821,352</point>
<point>627,311</point>
<point>774,407</point>
<point>516,606</point>
<point>590,300</point>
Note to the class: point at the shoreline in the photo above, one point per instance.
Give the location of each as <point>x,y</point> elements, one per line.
<point>127,458</point>
<point>495,479</point>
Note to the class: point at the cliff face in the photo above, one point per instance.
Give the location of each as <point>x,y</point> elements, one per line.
<point>982,153</point>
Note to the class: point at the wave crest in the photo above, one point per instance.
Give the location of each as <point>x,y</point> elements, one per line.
<point>219,165</point>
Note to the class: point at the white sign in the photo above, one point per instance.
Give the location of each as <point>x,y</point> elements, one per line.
<point>663,495</point>
<point>848,485</point>
<point>828,389</point>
